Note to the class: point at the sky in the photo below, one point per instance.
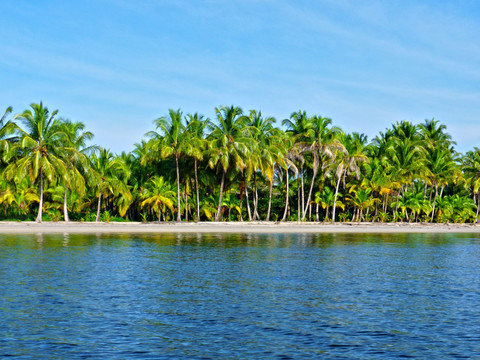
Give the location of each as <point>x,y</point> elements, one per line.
<point>117,65</point>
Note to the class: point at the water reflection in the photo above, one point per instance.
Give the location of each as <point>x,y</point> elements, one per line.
<point>239,296</point>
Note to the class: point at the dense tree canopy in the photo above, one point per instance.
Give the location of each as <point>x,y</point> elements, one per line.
<point>237,166</point>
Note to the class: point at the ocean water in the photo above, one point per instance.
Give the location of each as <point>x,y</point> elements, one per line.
<point>208,296</point>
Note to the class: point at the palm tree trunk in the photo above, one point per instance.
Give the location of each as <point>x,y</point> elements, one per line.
<point>65,208</point>
<point>434,201</point>
<point>286,198</point>
<point>335,197</point>
<point>246,198</point>
<point>299,208</point>
<point>269,200</point>
<point>98,206</point>
<point>478,208</point>
<point>303,191</point>
<point>186,202</point>
<point>219,209</point>
<point>197,191</point>
<point>309,193</point>
<point>441,190</point>
<point>40,206</point>
<point>255,198</point>
<point>179,216</point>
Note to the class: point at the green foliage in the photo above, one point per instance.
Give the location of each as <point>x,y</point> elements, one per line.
<point>106,216</point>
<point>193,167</point>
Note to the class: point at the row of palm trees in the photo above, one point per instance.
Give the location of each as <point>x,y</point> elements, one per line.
<point>238,166</point>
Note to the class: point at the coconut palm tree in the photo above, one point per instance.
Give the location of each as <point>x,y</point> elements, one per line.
<point>108,172</point>
<point>270,151</point>
<point>297,126</point>
<point>159,195</point>
<point>230,144</point>
<point>349,160</point>
<point>196,146</point>
<point>290,159</point>
<point>41,149</point>
<point>471,170</point>
<point>170,141</point>
<point>7,128</point>
<point>75,159</point>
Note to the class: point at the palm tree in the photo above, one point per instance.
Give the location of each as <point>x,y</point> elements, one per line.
<point>349,160</point>
<point>170,142</point>
<point>442,167</point>
<point>297,126</point>
<point>407,152</point>
<point>75,158</point>
<point>108,172</point>
<point>270,151</point>
<point>471,170</point>
<point>326,199</point>
<point>7,128</point>
<point>323,141</point>
<point>230,145</point>
<point>196,145</point>
<point>159,195</point>
<point>41,149</point>
<point>290,158</point>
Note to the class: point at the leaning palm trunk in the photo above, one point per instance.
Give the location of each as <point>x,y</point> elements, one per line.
<point>299,204</point>
<point>303,191</point>
<point>65,208</point>
<point>255,199</point>
<point>309,194</point>
<point>335,197</point>
<point>476,201</point>
<point>434,202</point>
<point>186,202</point>
<point>40,207</point>
<point>286,199</point>
<point>246,198</point>
<point>269,200</point>
<point>179,218</point>
<point>99,206</point>
<point>219,209</point>
<point>196,190</point>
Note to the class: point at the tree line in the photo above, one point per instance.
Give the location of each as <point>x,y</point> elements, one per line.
<point>238,166</point>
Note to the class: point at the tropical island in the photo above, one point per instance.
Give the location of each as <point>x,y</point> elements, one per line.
<point>239,166</point>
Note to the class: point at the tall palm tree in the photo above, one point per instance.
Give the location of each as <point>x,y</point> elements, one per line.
<point>170,142</point>
<point>41,149</point>
<point>349,161</point>
<point>230,144</point>
<point>196,145</point>
<point>75,158</point>
<point>270,151</point>
<point>297,126</point>
<point>290,159</point>
<point>322,143</point>
<point>442,167</point>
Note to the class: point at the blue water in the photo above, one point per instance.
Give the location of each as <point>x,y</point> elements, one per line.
<point>240,296</point>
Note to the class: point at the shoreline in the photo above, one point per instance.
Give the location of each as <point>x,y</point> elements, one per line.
<point>27,227</point>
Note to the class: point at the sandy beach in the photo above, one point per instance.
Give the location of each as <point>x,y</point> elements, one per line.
<point>231,227</point>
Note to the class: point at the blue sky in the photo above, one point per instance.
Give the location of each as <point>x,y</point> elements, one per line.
<point>116,65</point>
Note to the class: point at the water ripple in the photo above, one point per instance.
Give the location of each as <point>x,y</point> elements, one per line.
<point>240,296</point>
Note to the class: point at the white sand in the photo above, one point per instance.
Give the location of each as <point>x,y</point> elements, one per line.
<point>231,227</point>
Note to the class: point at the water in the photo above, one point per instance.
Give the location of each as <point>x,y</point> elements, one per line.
<point>240,296</point>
